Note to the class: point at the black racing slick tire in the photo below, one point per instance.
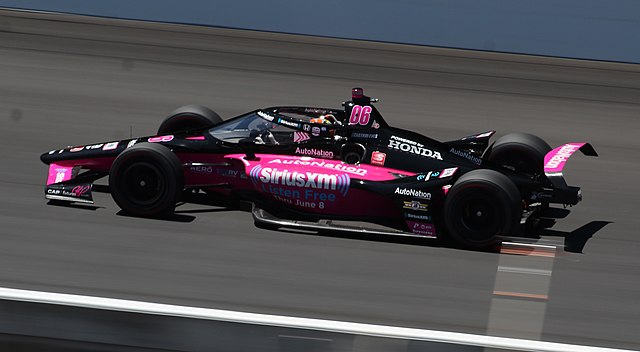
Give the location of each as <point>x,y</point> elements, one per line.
<point>147,180</point>
<point>189,118</point>
<point>481,206</point>
<point>521,152</point>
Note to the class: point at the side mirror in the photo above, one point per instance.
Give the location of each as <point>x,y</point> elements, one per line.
<point>352,153</point>
<point>248,146</point>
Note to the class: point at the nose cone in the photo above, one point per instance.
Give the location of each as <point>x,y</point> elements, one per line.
<point>46,157</point>
<point>52,156</point>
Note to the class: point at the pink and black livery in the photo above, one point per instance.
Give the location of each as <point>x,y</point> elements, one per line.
<point>308,166</point>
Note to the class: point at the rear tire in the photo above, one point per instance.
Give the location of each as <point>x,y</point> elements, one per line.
<point>147,180</point>
<point>521,152</point>
<point>189,118</point>
<point>482,205</point>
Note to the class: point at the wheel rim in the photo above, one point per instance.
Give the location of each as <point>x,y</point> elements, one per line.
<point>143,183</point>
<point>479,217</point>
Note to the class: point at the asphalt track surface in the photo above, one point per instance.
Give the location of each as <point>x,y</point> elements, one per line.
<point>72,81</point>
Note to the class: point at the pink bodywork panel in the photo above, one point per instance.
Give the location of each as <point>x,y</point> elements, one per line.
<point>63,170</point>
<point>554,160</point>
<point>302,163</point>
<point>58,173</point>
<point>309,184</point>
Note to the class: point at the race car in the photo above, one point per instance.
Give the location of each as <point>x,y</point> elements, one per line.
<point>315,167</point>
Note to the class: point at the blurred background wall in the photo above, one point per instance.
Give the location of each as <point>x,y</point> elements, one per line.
<point>588,29</point>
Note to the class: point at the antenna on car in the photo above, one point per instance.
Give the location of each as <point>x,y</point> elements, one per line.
<point>130,131</point>
<point>357,93</point>
<point>358,97</point>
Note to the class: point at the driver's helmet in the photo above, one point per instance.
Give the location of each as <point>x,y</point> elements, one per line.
<point>328,119</point>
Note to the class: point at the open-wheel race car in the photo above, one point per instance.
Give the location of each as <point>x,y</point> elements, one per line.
<point>312,167</point>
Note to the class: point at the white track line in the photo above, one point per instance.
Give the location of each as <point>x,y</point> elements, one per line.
<point>293,322</point>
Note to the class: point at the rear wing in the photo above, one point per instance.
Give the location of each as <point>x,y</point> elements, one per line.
<point>555,160</point>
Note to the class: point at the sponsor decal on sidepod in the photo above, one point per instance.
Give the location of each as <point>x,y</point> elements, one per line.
<point>421,228</point>
<point>315,152</point>
<point>314,180</point>
<point>418,217</point>
<point>312,190</point>
<point>207,169</point>
<point>416,193</point>
<point>203,169</point>
<point>415,205</point>
<point>378,158</point>
<point>305,161</point>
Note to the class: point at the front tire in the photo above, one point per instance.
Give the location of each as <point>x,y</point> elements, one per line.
<point>147,180</point>
<point>481,206</point>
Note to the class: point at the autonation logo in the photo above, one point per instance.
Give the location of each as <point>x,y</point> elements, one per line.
<point>416,193</point>
<point>466,155</point>
<point>306,161</point>
<point>315,152</point>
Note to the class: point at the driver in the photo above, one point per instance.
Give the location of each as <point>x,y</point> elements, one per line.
<point>263,134</point>
<point>326,119</point>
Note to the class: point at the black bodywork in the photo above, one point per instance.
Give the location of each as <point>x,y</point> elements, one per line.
<point>360,136</point>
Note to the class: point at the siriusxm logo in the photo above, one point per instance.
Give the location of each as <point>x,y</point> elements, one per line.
<point>314,180</point>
